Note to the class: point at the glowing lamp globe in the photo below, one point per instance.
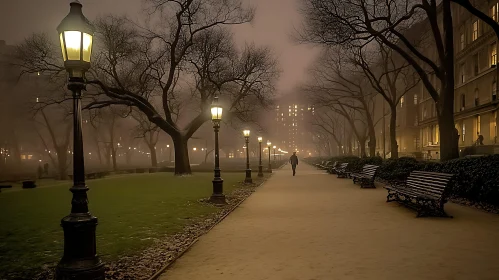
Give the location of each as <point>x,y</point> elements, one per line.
<point>246,133</point>
<point>269,143</point>
<point>260,139</point>
<point>216,110</point>
<point>76,35</point>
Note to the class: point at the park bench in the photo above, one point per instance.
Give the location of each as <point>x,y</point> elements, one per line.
<point>4,186</point>
<point>366,176</point>
<point>29,184</point>
<point>318,165</point>
<point>325,165</point>
<point>427,192</point>
<point>341,171</point>
<point>331,168</point>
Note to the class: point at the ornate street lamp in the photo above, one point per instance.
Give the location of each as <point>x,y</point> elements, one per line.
<point>80,260</point>
<point>218,196</point>
<point>260,167</point>
<point>270,164</point>
<point>248,179</point>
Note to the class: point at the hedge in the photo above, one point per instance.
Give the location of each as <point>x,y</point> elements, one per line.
<point>476,178</point>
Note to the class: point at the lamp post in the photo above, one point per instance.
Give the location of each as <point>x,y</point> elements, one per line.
<point>218,196</point>
<point>280,154</point>
<point>274,152</point>
<point>270,164</point>
<point>248,179</point>
<point>260,167</point>
<point>80,260</point>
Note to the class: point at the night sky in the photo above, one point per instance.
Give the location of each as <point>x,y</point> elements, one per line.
<point>274,23</point>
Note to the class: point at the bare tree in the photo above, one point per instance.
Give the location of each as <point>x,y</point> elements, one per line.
<point>390,76</point>
<point>151,68</point>
<point>149,132</point>
<point>337,84</point>
<point>398,25</point>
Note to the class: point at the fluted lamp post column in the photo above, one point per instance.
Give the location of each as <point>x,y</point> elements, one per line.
<point>218,196</point>
<point>270,164</point>
<point>248,179</point>
<point>80,260</point>
<point>260,166</point>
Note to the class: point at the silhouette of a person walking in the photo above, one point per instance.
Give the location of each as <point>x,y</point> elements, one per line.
<point>294,162</point>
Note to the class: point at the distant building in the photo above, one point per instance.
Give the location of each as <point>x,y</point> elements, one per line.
<point>292,118</point>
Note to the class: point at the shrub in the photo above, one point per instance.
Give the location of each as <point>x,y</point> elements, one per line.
<point>356,165</point>
<point>475,178</point>
<point>397,170</point>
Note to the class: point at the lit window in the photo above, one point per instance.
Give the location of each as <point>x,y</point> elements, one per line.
<point>478,124</point>
<point>463,102</point>
<point>402,102</point>
<point>493,54</point>
<point>493,12</point>
<point>296,106</point>
<point>475,30</point>
<point>493,127</point>
<point>461,73</point>
<point>416,99</point>
<point>464,131</point>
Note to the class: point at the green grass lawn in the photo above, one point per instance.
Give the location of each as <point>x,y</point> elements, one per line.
<point>133,210</point>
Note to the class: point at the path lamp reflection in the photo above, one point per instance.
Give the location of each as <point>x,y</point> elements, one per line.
<point>80,260</point>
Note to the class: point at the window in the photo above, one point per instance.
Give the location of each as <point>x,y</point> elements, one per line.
<point>493,54</point>
<point>463,42</point>
<point>475,30</point>
<point>477,101</point>
<point>494,90</point>
<point>493,12</point>
<point>416,99</point>
<point>464,131</point>
<point>493,127</point>
<point>463,102</point>
<point>477,123</point>
<point>424,113</point>
<point>402,102</point>
<point>416,120</point>
<point>461,73</point>
<point>475,64</point>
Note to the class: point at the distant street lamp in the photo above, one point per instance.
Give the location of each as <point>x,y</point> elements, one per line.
<point>274,152</point>
<point>218,196</point>
<point>80,260</point>
<point>270,164</point>
<point>248,179</point>
<point>260,167</point>
<point>170,156</point>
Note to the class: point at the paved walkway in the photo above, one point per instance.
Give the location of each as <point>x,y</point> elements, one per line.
<point>314,226</point>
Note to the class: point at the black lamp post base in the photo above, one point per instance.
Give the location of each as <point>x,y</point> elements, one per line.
<point>218,199</point>
<point>80,260</point>
<point>260,171</point>
<point>269,170</point>
<point>248,179</point>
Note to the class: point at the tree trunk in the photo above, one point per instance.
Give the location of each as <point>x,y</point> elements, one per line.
<point>113,155</point>
<point>394,147</point>
<point>362,146</point>
<point>154,160</point>
<point>128,157</point>
<point>182,165</point>
<point>62,161</point>
<point>449,147</point>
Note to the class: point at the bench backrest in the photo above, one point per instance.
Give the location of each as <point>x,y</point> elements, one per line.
<point>369,170</point>
<point>343,166</point>
<point>430,183</point>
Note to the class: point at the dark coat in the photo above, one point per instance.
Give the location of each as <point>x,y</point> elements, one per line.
<point>293,160</point>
